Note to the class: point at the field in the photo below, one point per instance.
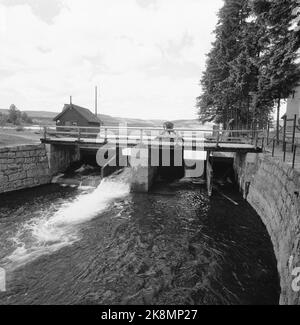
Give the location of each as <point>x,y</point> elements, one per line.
<point>10,137</point>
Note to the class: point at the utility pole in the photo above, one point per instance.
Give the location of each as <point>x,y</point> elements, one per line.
<point>96,101</point>
<point>70,100</point>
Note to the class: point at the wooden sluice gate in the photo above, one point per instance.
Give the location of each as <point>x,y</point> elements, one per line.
<point>163,141</point>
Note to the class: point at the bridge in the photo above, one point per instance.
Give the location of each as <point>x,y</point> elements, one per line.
<point>194,139</point>
<point>122,140</point>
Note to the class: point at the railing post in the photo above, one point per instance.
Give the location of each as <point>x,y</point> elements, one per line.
<point>294,155</point>
<point>105,135</point>
<point>141,135</point>
<point>218,138</point>
<point>194,141</point>
<point>284,130</point>
<point>256,139</point>
<point>268,133</point>
<point>79,133</point>
<point>45,132</point>
<point>284,151</point>
<point>294,132</point>
<point>273,148</point>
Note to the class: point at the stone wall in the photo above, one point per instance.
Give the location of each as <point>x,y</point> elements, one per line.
<point>272,189</point>
<point>23,167</point>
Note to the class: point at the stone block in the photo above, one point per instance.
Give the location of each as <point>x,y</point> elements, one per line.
<point>13,177</point>
<point>3,179</point>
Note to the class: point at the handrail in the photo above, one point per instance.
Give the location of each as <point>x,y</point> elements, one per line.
<point>148,128</point>
<point>189,137</point>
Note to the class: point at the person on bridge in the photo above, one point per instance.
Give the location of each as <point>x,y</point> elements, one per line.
<point>169,128</point>
<point>169,134</point>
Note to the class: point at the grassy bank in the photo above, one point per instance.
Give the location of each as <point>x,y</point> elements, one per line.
<point>10,137</point>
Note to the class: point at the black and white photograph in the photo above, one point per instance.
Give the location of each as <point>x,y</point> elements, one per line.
<point>149,155</point>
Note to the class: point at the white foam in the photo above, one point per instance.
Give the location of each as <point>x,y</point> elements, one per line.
<point>48,233</point>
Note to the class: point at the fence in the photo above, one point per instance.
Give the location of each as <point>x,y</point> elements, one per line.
<point>289,134</point>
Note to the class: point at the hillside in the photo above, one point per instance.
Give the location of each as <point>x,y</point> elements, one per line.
<point>46,118</point>
<point>114,121</point>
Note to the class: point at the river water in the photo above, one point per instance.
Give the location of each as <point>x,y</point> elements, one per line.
<point>64,245</point>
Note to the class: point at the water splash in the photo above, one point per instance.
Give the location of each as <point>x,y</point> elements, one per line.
<point>49,232</point>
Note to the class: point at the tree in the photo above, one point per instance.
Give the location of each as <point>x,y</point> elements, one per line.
<point>3,119</point>
<point>229,74</point>
<point>17,117</point>
<point>252,63</point>
<point>25,118</point>
<point>281,73</point>
<point>13,114</point>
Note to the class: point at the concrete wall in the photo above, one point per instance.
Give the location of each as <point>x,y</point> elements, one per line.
<point>274,193</point>
<point>142,178</point>
<point>23,167</point>
<point>61,157</point>
<point>143,174</point>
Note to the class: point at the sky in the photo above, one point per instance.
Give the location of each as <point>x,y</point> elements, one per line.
<point>146,56</point>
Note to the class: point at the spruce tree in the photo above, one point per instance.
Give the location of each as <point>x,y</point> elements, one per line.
<point>220,97</point>
<point>252,64</point>
<point>281,74</point>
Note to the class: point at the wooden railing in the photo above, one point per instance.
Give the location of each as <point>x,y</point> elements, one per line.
<point>142,134</point>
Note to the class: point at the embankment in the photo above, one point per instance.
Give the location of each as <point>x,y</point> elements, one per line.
<point>23,167</point>
<point>272,189</point>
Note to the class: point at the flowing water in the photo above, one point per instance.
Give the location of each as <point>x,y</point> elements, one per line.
<point>64,245</point>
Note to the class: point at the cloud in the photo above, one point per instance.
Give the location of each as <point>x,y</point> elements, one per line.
<point>146,3</point>
<point>5,73</point>
<point>147,62</point>
<point>46,10</point>
<point>173,69</point>
<point>44,49</point>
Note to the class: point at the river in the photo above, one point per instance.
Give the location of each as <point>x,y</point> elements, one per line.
<point>64,245</point>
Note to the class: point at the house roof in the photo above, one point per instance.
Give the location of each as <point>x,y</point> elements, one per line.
<point>84,112</point>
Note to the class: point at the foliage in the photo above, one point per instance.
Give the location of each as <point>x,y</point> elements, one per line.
<point>17,117</point>
<point>252,63</point>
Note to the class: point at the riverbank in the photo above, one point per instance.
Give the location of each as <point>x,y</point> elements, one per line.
<point>15,137</point>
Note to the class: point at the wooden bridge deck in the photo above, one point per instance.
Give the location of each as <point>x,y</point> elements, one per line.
<point>95,144</point>
<point>190,139</point>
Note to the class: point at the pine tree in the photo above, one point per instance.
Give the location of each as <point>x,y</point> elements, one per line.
<point>252,64</point>
<point>281,73</point>
<point>220,98</point>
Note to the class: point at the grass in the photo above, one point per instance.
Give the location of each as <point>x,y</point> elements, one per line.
<point>12,137</point>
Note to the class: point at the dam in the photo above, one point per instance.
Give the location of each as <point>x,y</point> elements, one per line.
<point>177,243</point>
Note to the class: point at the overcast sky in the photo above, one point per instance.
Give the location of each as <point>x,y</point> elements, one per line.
<point>147,56</point>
